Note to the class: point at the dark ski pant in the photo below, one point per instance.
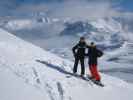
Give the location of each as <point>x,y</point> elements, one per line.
<point>94,72</point>
<point>77,60</point>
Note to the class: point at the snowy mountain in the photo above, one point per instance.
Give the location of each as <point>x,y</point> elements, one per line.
<point>45,75</point>
<point>39,75</point>
<point>58,35</point>
<point>108,33</point>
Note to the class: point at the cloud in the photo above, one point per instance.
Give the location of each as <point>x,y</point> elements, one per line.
<point>84,9</point>
<point>87,9</point>
<point>71,8</point>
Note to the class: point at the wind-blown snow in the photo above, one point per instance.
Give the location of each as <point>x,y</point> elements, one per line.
<point>47,73</point>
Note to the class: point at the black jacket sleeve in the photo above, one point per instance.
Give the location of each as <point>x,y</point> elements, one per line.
<point>87,46</point>
<point>74,49</point>
<point>99,53</point>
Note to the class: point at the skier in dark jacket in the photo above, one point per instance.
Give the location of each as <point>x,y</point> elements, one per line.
<point>79,54</point>
<point>93,54</point>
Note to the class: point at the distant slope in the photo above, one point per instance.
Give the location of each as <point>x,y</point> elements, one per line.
<point>47,73</point>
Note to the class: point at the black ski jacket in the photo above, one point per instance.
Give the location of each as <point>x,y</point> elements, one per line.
<point>79,50</point>
<point>93,54</point>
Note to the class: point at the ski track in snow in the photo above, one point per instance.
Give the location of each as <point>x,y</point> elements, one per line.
<point>60,90</point>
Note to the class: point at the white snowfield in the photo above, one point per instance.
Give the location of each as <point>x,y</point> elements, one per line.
<point>28,72</point>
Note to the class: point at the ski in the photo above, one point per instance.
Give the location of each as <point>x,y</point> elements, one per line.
<point>98,83</point>
<point>78,76</point>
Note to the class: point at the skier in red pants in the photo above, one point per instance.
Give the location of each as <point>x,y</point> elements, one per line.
<point>93,54</point>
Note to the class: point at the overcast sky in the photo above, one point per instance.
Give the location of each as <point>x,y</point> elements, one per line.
<point>71,8</point>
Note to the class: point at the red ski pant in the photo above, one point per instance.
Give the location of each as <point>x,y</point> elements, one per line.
<point>94,72</point>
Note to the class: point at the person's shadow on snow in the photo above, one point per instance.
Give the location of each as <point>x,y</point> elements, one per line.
<point>59,69</point>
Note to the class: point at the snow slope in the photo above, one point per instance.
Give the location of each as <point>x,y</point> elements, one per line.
<point>13,88</point>
<point>46,76</point>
